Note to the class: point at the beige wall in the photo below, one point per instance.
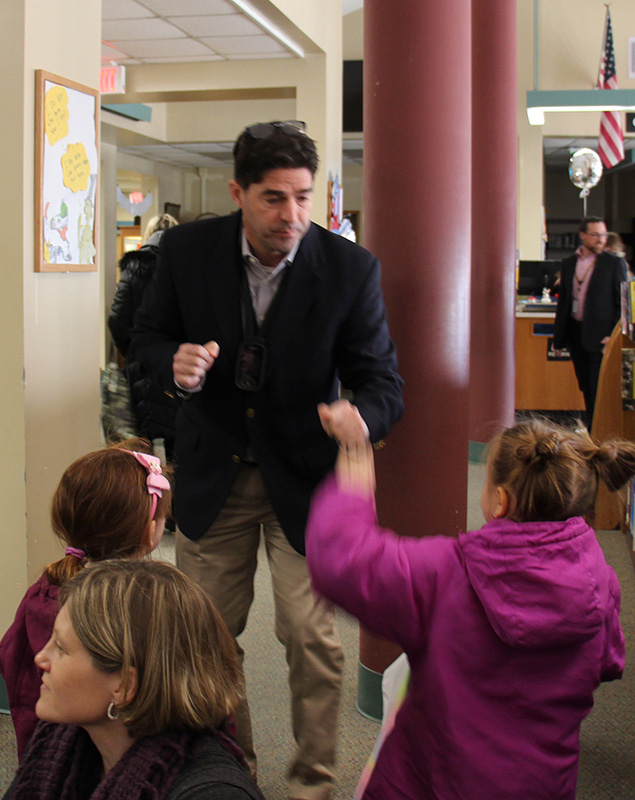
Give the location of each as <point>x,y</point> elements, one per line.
<point>51,347</point>
<point>13,575</point>
<point>571,42</point>
<point>353,36</point>
<point>218,121</point>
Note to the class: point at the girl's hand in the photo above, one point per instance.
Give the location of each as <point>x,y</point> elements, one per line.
<point>342,421</point>
<point>355,469</point>
<point>355,465</point>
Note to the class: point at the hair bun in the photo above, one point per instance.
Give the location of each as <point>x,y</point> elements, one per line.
<point>547,447</point>
<point>541,449</point>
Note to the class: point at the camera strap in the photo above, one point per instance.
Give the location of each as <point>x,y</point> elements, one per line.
<point>247,313</point>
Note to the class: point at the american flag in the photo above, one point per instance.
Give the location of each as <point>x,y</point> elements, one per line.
<point>611,139</point>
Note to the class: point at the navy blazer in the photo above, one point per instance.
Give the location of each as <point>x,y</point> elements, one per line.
<point>602,307</point>
<point>328,324</point>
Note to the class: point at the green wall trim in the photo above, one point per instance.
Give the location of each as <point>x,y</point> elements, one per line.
<point>475,452</point>
<point>136,111</point>
<point>369,698</point>
<point>4,700</point>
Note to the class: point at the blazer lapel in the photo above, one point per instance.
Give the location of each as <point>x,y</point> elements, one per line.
<point>297,295</point>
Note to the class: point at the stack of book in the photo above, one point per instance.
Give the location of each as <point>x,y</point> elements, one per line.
<point>628,381</point>
<point>628,308</point>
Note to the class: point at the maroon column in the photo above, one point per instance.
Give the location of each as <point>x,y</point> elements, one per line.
<point>494,190</point>
<point>417,150</point>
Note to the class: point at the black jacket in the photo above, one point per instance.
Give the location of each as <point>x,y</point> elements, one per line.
<point>602,307</point>
<point>154,409</point>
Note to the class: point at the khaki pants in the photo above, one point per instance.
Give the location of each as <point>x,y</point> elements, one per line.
<point>223,562</point>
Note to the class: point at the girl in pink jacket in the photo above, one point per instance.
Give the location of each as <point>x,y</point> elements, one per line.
<point>508,629</point>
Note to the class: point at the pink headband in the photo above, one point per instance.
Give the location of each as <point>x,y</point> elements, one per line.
<point>156,481</point>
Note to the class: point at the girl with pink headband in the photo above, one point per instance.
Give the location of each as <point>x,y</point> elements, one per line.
<point>111,503</point>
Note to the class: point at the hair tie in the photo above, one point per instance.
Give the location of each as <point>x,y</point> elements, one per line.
<point>156,481</point>
<point>75,551</point>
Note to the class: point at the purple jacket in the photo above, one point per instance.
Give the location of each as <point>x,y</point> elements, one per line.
<point>30,631</point>
<point>508,630</point>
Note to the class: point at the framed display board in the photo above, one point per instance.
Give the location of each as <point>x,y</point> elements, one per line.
<point>173,209</point>
<point>66,174</point>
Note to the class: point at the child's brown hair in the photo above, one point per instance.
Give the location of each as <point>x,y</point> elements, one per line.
<point>102,507</point>
<point>552,473</point>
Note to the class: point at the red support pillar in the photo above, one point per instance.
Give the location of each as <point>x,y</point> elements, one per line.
<point>494,192</point>
<point>417,197</point>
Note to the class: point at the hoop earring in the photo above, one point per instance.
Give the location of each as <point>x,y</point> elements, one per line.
<point>112,712</point>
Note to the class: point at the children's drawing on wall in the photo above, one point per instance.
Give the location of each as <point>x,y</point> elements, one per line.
<point>68,170</point>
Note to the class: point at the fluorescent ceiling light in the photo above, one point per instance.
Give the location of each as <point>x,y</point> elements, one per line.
<point>261,20</point>
<point>540,102</point>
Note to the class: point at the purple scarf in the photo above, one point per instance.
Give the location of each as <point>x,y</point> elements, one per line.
<point>62,763</point>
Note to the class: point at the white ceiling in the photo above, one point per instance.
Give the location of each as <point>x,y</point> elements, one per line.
<point>169,31</point>
<point>164,31</point>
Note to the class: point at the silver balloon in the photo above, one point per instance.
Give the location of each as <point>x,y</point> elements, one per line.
<point>585,170</point>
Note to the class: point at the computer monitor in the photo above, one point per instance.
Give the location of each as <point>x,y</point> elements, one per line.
<point>534,276</point>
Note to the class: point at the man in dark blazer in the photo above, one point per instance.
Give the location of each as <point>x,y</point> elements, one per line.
<point>589,305</point>
<point>255,319</point>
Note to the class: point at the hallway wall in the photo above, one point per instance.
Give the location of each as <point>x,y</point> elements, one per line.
<point>50,363</point>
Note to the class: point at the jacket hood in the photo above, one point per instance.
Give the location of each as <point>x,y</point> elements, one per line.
<point>141,260</point>
<point>541,584</point>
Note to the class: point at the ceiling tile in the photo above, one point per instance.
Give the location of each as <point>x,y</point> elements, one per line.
<point>162,47</point>
<point>125,29</point>
<point>257,56</point>
<point>181,59</point>
<point>190,8</point>
<point>218,25</point>
<point>243,44</point>
<point>123,9</point>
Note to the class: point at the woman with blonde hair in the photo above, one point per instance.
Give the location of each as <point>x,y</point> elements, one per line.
<point>139,679</point>
<point>614,244</point>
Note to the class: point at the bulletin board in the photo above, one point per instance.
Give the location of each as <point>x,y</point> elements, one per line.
<point>66,174</point>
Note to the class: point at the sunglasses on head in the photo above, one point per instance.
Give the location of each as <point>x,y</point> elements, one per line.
<point>263,130</point>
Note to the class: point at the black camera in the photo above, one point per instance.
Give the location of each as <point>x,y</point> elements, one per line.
<point>250,364</point>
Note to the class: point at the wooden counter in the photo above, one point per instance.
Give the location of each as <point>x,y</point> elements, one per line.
<point>542,384</point>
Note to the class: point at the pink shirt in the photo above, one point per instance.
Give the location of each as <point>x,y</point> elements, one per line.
<point>581,279</point>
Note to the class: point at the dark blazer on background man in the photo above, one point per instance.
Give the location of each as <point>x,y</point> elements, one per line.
<point>602,307</point>
<point>328,322</point>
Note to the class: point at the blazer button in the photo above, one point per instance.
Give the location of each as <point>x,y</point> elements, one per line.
<point>236,459</point>
<point>251,413</point>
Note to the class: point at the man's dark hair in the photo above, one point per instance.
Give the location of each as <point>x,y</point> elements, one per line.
<point>272,145</point>
<point>589,221</point>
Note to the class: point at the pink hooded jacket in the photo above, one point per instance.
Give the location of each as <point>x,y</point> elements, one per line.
<point>508,630</point>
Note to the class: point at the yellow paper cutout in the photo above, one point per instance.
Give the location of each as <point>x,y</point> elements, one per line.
<point>56,114</point>
<point>76,167</point>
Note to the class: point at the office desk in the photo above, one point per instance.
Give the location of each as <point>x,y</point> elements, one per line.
<point>541,383</point>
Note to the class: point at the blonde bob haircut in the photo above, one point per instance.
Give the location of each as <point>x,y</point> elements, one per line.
<point>149,621</point>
